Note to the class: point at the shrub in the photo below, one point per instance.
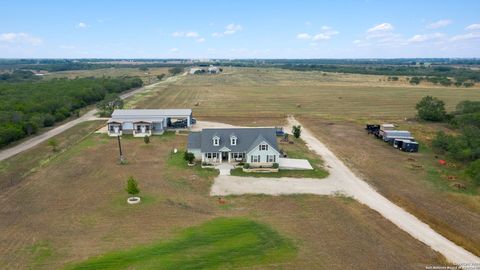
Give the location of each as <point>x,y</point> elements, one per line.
<point>246,166</point>
<point>297,131</point>
<point>53,143</point>
<point>473,171</point>
<point>190,157</point>
<point>146,139</point>
<point>275,165</point>
<point>431,109</point>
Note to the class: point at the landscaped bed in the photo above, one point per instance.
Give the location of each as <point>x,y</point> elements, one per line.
<point>299,150</point>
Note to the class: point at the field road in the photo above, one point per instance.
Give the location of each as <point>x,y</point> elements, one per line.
<point>364,193</point>
<point>90,115</point>
<point>343,181</point>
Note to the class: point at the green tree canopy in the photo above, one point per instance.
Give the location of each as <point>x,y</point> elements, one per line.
<point>431,109</point>
<point>132,186</point>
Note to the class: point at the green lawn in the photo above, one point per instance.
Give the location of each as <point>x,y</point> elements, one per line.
<point>315,173</point>
<point>299,150</point>
<point>220,243</point>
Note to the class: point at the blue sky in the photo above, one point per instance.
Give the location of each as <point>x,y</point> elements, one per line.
<point>240,29</point>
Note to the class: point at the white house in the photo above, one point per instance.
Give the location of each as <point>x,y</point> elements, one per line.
<point>257,146</point>
<point>146,122</point>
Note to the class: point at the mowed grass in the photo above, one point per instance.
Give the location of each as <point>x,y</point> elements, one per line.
<point>254,94</point>
<point>75,208</point>
<point>220,243</point>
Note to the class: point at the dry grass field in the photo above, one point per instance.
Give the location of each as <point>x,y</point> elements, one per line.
<point>327,101</point>
<point>147,76</point>
<point>72,205</point>
<point>253,94</point>
<point>74,208</point>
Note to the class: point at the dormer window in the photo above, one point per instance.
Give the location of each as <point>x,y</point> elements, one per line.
<point>216,141</point>
<point>263,147</point>
<point>233,140</point>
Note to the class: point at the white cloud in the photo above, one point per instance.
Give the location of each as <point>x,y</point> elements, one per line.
<point>200,40</point>
<point>22,38</point>
<point>439,24</point>
<point>304,36</point>
<point>232,29</point>
<point>468,36</point>
<point>380,28</point>
<point>325,34</point>
<point>82,25</point>
<point>426,37</point>
<point>178,34</point>
<point>192,35</point>
<point>475,26</point>
<point>229,30</point>
<point>174,50</point>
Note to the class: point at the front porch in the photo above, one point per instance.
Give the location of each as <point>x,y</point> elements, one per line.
<point>114,129</point>
<point>142,129</point>
<point>224,156</point>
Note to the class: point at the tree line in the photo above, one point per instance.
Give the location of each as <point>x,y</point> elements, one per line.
<point>464,147</point>
<point>27,106</point>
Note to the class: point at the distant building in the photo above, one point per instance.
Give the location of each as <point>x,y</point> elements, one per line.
<point>196,71</point>
<point>213,70</point>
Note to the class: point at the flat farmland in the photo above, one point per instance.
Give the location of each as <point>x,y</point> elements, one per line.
<point>73,208</point>
<point>253,94</point>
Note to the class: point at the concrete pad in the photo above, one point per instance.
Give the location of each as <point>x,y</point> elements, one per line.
<point>294,164</point>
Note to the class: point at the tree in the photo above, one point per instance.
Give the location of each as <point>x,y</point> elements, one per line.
<point>190,157</point>
<point>175,70</point>
<point>132,186</point>
<point>53,143</point>
<point>473,171</point>
<point>431,109</point>
<point>146,139</point>
<point>110,103</point>
<point>297,131</point>
<point>160,77</point>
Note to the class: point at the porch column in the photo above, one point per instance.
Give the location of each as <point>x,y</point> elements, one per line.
<point>203,157</point>
<point>229,157</point>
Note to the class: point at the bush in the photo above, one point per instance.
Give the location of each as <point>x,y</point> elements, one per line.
<point>473,171</point>
<point>297,131</point>
<point>246,166</point>
<point>146,139</point>
<point>275,165</point>
<point>190,157</point>
<point>431,109</point>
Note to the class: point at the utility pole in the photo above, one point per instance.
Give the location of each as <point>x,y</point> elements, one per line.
<point>120,149</point>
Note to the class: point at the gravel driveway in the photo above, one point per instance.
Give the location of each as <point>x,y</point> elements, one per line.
<point>342,179</point>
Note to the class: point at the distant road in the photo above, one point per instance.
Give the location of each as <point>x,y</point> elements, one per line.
<point>90,115</point>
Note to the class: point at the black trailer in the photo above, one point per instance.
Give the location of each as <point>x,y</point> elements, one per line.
<point>406,145</point>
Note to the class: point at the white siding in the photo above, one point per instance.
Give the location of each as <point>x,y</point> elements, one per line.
<point>263,154</point>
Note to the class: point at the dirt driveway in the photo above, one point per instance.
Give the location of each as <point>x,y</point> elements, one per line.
<point>342,179</point>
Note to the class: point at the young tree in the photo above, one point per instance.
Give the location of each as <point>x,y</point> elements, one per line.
<point>431,109</point>
<point>132,186</point>
<point>53,143</point>
<point>146,139</point>
<point>190,157</point>
<point>297,131</point>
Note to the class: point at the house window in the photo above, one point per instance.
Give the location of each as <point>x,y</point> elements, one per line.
<point>255,158</point>
<point>233,141</point>
<point>216,141</point>
<point>237,155</point>
<point>271,158</point>
<point>263,147</point>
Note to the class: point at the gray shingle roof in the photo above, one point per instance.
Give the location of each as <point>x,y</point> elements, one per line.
<point>247,138</point>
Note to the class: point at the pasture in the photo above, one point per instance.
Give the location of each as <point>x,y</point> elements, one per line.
<point>148,76</point>
<point>73,209</point>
